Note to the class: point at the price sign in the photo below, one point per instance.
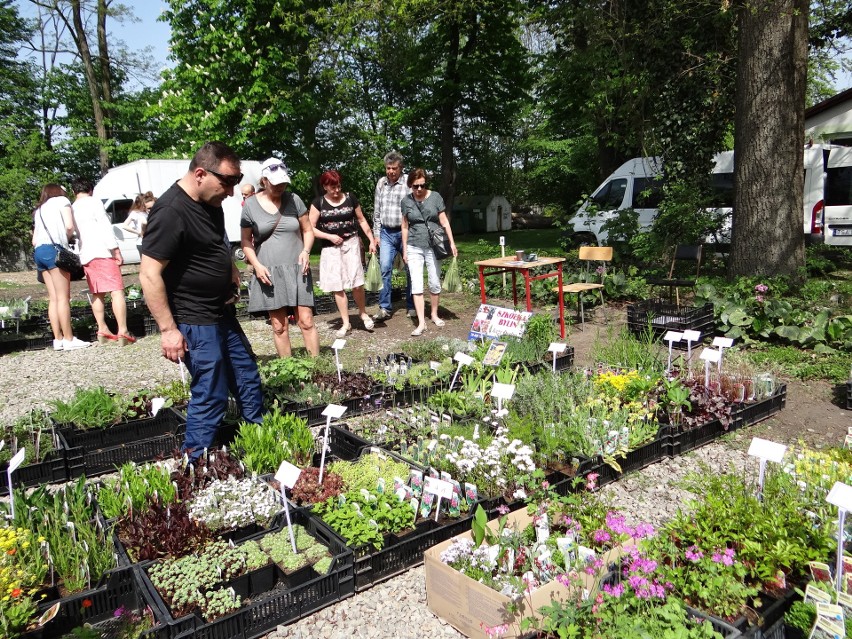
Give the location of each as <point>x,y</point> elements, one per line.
<point>765,449</point>
<point>673,336</point>
<point>723,342</point>
<point>334,410</point>
<point>557,347</point>
<point>438,487</point>
<point>463,358</point>
<point>502,391</point>
<point>840,495</point>
<point>692,336</point>
<point>288,474</point>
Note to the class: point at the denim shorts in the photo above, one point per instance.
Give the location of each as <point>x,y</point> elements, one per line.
<point>45,257</point>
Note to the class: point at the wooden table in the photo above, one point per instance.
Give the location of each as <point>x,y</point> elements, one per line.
<point>511,265</point>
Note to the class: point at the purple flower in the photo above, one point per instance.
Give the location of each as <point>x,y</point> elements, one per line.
<point>119,611</point>
<point>759,298</point>
<point>616,591</point>
<point>644,530</point>
<point>503,509</point>
<point>717,558</point>
<point>694,554</point>
<point>761,288</point>
<point>600,536</point>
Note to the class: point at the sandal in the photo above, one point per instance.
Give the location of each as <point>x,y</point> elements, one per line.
<point>439,322</point>
<point>106,338</point>
<point>369,324</point>
<point>125,339</point>
<point>343,330</point>
<point>417,332</point>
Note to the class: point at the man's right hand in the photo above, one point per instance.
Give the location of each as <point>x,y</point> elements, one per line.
<point>173,344</point>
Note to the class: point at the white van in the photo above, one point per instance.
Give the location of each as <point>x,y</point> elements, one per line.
<point>636,184</point>
<point>119,187</point>
<point>837,213</point>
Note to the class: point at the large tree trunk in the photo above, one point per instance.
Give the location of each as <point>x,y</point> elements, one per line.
<point>448,118</point>
<point>768,235</point>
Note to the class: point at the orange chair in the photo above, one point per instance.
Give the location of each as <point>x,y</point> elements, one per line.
<point>589,254</point>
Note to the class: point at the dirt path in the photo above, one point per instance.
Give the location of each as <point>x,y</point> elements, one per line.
<point>813,412</point>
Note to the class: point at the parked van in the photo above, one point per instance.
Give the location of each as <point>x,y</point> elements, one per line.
<point>636,184</point>
<point>119,187</point>
<point>837,213</point>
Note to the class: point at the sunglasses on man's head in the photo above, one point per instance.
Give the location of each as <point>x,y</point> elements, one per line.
<point>228,181</point>
<point>418,186</point>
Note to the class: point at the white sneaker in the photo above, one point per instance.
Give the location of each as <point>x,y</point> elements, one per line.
<point>74,344</point>
<point>57,345</point>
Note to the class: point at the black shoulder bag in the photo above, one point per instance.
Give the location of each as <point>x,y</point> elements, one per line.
<point>438,240</point>
<point>66,259</point>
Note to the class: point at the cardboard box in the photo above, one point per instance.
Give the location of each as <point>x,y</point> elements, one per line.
<point>467,604</point>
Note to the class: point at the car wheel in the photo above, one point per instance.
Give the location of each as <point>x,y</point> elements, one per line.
<point>238,253</point>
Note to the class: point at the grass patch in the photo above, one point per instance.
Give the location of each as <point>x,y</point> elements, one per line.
<point>543,241</point>
<point>9,286</point>
<point>794,362</point>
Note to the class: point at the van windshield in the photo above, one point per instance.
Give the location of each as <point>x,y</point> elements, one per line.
<point>611,194</point>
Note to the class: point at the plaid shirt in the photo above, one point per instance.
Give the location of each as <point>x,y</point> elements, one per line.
<point>386,205</point>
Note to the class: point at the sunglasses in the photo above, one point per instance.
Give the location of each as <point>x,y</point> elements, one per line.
<point>228,181</point>
<point>275,167</point>
<point>416,187</point>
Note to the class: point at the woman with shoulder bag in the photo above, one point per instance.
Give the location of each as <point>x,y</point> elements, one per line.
<point>422,213</point>
<point>53,227</point>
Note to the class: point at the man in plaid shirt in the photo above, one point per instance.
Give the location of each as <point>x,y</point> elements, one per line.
<point>387,226</point>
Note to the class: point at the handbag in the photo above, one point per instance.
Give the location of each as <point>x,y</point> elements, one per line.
<point>66,259</point>
<point>438,240</point>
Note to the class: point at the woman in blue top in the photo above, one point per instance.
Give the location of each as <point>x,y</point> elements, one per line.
<point>419,207</point>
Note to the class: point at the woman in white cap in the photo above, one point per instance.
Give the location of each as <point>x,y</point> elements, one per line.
<point>277,238</point>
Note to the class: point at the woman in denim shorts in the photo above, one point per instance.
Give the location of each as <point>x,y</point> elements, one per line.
<point>53,226</point>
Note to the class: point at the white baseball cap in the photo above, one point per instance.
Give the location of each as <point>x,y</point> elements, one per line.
<point>275,171</point>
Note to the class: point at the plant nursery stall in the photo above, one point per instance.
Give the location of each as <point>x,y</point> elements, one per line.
<point>485,466</point>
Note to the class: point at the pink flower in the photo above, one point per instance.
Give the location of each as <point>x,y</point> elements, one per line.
<point>503,509</point>
<point>600,536</point>
<point>694,554</point>
<point>761,288</point>
<point>592,481</point>
<point>759,298</point>
<point>545,484</point>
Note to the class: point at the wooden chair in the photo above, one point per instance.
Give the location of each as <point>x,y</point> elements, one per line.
<point>683,253</point>
<point>589,254</point>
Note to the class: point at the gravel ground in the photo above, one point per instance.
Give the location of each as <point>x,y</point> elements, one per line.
<point>33,378</point>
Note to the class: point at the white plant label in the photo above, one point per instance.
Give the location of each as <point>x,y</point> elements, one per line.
<point>438,487</point>
<point>334,410</point>
<point>673,336</point>
<point>463,358</point>
<point>502,391</point>
<point>723,342</point>
<point>435,366</point>
<point>157,404</point>
<point>16,461</point>
<point>288,474</point>
<point>502,240</point>
<point>710,355</point>
<point>338,344</point>
<point>692,336</point>
<point>765,449</point>
<point>840,495</point>
<point>557,347</point>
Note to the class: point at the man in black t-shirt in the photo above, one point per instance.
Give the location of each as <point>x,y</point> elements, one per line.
<point>188,278</point>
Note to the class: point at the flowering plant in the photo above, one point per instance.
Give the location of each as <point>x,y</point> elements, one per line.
<point>712,580</point>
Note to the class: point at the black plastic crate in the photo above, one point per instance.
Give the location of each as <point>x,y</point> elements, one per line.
<point>725,629</point>
<point>662,316</point>
<point>354,406</point>
<point>344,444</point>
<point>683,441</point>
<point>277,607</point>
<point>99,451</point>
<point>402,553</point>
<point>17,344</point>
<point>563,362</point>
<point>92,606</point>
<point>772,618</point>
<point>647,454</point>
<point>748,414</point>
<point>50,470</point>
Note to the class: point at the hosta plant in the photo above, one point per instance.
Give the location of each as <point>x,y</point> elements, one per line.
<point>131,489</point>
<point>279,437</point>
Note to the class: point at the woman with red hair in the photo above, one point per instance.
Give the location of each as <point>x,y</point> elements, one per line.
<point>336,217</point>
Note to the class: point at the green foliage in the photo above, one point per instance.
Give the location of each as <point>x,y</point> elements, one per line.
<point>366,471</point>
<point>627,351</point>
<point>279,437</point>
<point>89,408</point>
<point>32,431</point>
<point>801,364</point>
<point>117,496</point>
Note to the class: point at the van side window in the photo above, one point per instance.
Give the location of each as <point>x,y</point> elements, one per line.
<point>611,195</point>
<point>722,190</point>
<point>838,186</point>
<point>647,193</point>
